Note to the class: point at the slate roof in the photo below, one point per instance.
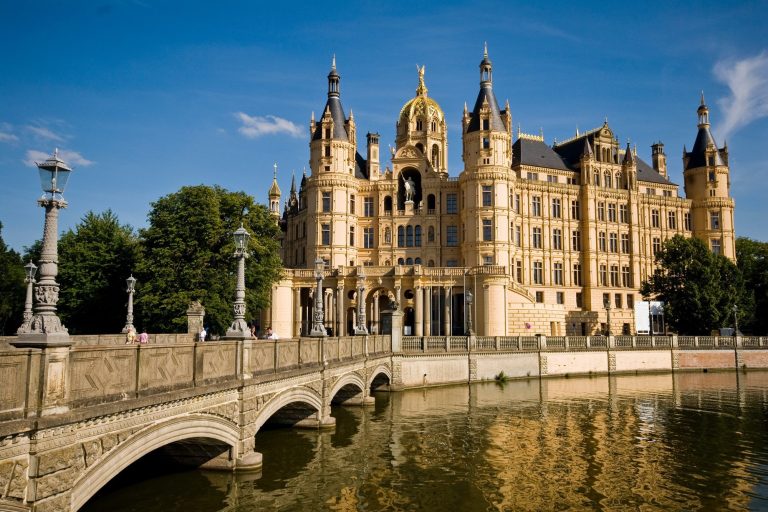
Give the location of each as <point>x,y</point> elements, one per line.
<point>486,93</point>
<point>648,174</point>
<point>536,152</point>
<point>361,167</point>
<point>337,113</point>
<point>698,155</point>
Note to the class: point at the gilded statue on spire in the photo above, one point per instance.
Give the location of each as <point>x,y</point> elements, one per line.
<point>421,90</point>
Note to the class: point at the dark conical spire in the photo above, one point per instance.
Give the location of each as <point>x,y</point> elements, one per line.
<point>705,142</point>
<point>587,148</point>
<point>333,106</point>
<point>486,95</point>
<point>333,80</point>
<point>629,158</point>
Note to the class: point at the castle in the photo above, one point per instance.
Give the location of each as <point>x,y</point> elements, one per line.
<point>528,239</point>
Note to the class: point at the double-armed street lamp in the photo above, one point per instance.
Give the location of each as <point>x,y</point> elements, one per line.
<point>131,287</point>
<point>318,329</point>
<point>31,270</point>
<point>43,328</point>
<point>239,328</point>
<point>361,329</point>
<point>469,298</point>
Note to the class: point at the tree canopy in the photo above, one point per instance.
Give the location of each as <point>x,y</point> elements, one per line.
<point>698,288</point>
<point>12,288</point>
<point>187,254</point>
<point>95,258</point>
<point>752,260</point>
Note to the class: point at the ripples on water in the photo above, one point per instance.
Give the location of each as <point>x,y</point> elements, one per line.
<point>656,442</point>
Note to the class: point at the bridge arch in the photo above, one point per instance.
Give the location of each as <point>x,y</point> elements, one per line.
<point>146,441</point>
<point>349,387</point>
<point>302,395</point>
<point>377,372</point>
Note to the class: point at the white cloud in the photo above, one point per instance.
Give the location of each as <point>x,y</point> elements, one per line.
<point>73,158</point>
<point>256,126</point>
<point>6,133</point>
<point>748,81</point>
<point>45,133</point>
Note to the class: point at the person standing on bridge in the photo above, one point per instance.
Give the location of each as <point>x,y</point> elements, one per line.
<point>203,334</point>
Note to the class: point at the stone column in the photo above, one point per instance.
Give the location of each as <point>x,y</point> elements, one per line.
<point>375,313</point>
<point>195,317</point>
<point>340,324</point>
<point>419,312</point>
<point>297,312</point>
<point>428,311</point>
<point>486,310</point>
<point>447,311</point>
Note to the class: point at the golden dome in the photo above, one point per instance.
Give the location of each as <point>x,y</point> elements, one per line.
<point>422,105</point>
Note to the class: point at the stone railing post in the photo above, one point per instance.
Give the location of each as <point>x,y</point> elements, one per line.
<point>195,318</point>
<point>675,341</point>
<point>496,343</point>
<point>397,331</point>
<point>612,341</point>
<point>55,383</point>
<point>244,370</point>
<point>588,343</point>
<point>542,341</point>
<point>566,343</point>
<point>739,341</point>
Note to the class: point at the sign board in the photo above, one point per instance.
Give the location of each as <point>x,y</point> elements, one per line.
<point>649,317</point>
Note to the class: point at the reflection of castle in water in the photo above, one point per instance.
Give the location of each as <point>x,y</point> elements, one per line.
<point>613,442</point>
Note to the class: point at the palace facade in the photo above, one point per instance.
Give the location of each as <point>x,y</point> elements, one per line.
<point>545,239</point>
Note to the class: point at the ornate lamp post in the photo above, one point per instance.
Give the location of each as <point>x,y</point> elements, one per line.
<point>736,319</point>
<point>131,283</point>
<point>607,305</point>
<point>469,298</point>
<point>44,328</point>
<point>239,329</point>
<point>361,329</point>
<point>318,329</point>
<point>31,269</point>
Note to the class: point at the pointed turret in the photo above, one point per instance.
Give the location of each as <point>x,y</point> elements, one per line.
<point>629,158</point>
<point>332,111</point>
<point>587,152</point>
<point>274,195</point>
<point>704,151</point>
<point>486,115</point>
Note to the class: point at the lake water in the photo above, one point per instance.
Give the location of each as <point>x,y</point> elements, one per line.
<point>654,442</point>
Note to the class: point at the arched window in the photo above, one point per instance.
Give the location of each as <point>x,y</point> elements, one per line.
<point>400,261</point>
<point>430,234</point>
<point>608,180</point>
<point>409,236</point>
<point>597,179</point>
<point>435,156</point>
<point>387,236</point>
<point>420,147</point>
<point>388,204</point>
<point>619,183</point>
<point>419,124</point>
<point>400,236</point>
<point>434,126</point>
<point>409,261</point>
<point>387,263</point>
<point>431,263</point>
<point>431,202</point>
<point>417,241</point>
<point>417,261</point>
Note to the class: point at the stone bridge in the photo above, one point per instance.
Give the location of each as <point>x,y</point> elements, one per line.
<point>72,418</point>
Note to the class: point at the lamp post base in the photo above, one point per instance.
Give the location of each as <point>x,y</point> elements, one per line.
<point>42,340</point>
<point>239,330</point>
<point>318,332</point>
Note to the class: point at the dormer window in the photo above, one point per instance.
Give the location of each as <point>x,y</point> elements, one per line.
<point>486,124</point>
<point>419,125</point>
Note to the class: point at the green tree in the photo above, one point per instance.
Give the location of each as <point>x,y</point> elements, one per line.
<point>698,288</point>
<point>752,260</point>
<point>95,258</point>
<point>12,288</point>
<point>187,254</point>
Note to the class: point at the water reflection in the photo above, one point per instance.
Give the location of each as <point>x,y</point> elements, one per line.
<point>672,442</point>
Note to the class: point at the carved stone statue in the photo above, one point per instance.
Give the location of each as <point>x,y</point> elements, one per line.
<point>410,189</point>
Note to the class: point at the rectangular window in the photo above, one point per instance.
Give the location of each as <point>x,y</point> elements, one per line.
<point>601,241</point>
<point>536,206</point>
<point>452,236</point>
<point>519,271</point>
<point>368,207</point>
<point>601,211</point>
<point>352,204</point>
<point>576,240</point>
<point>672,220</point>
<point>612,212</point>
<point>551,178</point>
<point>351,236</point>
<point>625,243</point>
<point>517,203</point>
<point>650,191</point>
<point>716,246</point>
<point>575,210</point>
<point>487,230</point>
<point>579,300</point>
<point>487,195</point>
<point>556,208</point>
<point>656,245</point>
<point>452,263</point>
<point>560,298</point>
<point>667,193</point>
<point>614,275</point>
<point>326,202</point>
<point>626,277</point>
<point>536,238</point>
<point>368,238</point>
<point>606,302</point>
<point>687,221</point>
<point>326,234</point>
<point>655,218</point>
<point>538,273</point>
<point>623,214</point>
<point>614,242</point>
<point>557,239</point>
<point>577,274</point>
<point>518,235</point>
<point>451,205</point>
<point>603,275</point>
<point>487,259</point>
<point>617,301</point>
<point>714,220</point>
<point>630,301</point>
<point>557,274</point>
<point>533,176</point>
<point>327,150</point>
<point>540,297</point>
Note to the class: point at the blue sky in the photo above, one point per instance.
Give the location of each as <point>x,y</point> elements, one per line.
<point>143,97</point>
